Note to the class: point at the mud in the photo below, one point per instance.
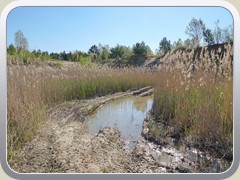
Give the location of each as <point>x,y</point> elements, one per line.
<point>184,151</point>
<point>63,145</point>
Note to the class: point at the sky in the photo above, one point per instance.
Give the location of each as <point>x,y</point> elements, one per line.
<point>55,29</point>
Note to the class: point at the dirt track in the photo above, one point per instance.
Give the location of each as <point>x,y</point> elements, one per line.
<point>64,145</point>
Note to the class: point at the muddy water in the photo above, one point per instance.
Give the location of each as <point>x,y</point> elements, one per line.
<point>126,115</point>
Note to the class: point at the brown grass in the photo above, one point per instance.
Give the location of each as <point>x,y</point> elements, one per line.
<point>32,90</point>
<point>199,107</point>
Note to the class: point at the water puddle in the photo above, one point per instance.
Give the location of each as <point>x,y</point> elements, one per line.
<point>126,115</point>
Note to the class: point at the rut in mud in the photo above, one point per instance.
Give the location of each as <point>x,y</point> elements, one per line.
<point>65,145</point>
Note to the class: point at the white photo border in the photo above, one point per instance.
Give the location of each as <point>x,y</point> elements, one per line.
<point>122,3</point>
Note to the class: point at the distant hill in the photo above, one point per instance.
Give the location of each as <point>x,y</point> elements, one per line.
<point>214,58</point>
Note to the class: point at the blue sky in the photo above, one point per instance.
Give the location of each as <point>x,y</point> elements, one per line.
<point>55,29</point>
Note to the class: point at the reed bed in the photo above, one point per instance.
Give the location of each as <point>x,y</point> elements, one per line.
<point>197,106</point>
<point>200,108</point>
<point>33,90</point>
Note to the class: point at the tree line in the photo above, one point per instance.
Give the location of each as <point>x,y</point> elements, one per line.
<point>198,35</point>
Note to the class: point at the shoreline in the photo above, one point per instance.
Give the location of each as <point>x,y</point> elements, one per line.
<point>176,140</point>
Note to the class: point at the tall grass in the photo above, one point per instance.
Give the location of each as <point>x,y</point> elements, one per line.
<point>200,108</point>
<point>32,90</point>
<point>57,91</point>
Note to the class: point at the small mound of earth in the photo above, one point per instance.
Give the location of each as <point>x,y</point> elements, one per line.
<point>152,158</point>
<point>74,151</point>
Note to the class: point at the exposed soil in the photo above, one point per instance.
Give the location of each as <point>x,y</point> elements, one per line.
<point>203,159</point>
<point>64,145</point>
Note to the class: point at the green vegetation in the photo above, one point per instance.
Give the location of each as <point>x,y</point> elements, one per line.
<point>199,35</point>
<point>195,30</point>
<point>57,64</point>
<point>208,36</point>
<point>32,92</point>
<point>11,50</point>
<point>178,44</point>
<point>24,56</point>
<point>164,45</point>
<point>57,91</point>
<point>140,48</point>
<point>198,32</point>
<point>202,112</point>
<point>120,52</point>
<point>95,51</point>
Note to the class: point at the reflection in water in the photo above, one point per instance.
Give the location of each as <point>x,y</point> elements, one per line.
<point>125,114</point>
